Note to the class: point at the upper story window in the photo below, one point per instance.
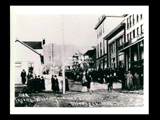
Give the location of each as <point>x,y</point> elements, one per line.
<point>133,19</point>
<point>137,18</point>
<point>127,23</point>
<point>130,35</point>
<point>130,21</point>
<point>100,49</point>
<point>141,16</point>
<point>127,38</point>
<point>133,33</point>
<point>142,30</point>
<point>137,31</point>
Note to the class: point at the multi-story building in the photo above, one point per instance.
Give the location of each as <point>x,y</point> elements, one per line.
<point>121,43</point>
<point>115,39</point>
<point>133,46</point>
<point>124,44</point>
<point>103,27</point>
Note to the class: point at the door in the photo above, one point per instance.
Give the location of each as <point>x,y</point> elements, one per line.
<point>18,73</point>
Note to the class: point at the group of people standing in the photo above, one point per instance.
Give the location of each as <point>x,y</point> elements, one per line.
<point>87,82</point>
<point>35,83</point>
<point>55,83</point>
<point>130,80</point>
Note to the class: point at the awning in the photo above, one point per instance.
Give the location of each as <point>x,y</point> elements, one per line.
<point>130,45</point>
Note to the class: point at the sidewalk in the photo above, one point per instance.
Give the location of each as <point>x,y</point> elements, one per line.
<point>75,86</point>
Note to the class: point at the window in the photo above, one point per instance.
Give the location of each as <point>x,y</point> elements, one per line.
<point>137,17</point>
<point>105,45</point>
<point>97,33</point>
<point>111,49</point>
<point>97,50</point>
<point>114,48</point>
<point>100,49</point>
<point>133,33</point>
<point>122,39</point>
<point>30,67</point>
<point>127,37</point>
<point>133,19</point>
<point>130,21</point>
<point>141,16</point>
<point>120,42</point>
<point>135,56</point>
<point>127,23</point>
<point>100,31</point>
<point>130,35</point>
<point>137,31</point>
<point>142,31</point>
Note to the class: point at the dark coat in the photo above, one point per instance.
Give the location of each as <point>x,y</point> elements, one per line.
<point>111,79</point>
<point>42,84</point>
<point>67,86</point>
<point>23,75</point>
<point>55,85</point>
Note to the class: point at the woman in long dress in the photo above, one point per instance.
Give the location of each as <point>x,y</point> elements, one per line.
<point>129,82</point>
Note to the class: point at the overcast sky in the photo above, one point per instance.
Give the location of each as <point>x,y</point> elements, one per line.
<point>37,22</point>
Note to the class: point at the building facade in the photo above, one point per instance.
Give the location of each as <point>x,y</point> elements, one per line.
<point>90,57</point>
<point>115,39</point>
<point>27,58</point>
<point>133,46</point>
<point>124,44</point>
<point>104,26</point>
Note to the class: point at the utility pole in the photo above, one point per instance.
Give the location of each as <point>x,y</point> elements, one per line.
<point>63,65</point>
<point>52,58</point>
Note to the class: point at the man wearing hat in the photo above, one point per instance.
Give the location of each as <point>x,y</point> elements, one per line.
<point>23,76</point>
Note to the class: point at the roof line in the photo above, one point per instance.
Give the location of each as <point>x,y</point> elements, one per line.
<point>100,22</point>
<point>28,47</point>
<point>116,28</point>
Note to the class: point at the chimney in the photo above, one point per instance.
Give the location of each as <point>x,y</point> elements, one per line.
<point>43,42</point>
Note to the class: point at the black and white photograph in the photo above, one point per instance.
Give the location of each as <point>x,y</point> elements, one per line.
<point>79,60</point>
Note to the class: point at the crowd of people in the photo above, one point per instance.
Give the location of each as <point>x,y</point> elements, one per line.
<point>130,79</point>
<point>35,83</point>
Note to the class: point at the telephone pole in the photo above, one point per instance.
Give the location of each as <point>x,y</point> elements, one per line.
<point>63,65</point>
<point>52,58</point>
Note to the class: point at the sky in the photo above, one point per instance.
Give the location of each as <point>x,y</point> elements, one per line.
<point>38,22</point>
<point>78,29</point>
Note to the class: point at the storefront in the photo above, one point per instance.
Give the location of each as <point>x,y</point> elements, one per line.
<point>102,62</point>
<point>134,58</point>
